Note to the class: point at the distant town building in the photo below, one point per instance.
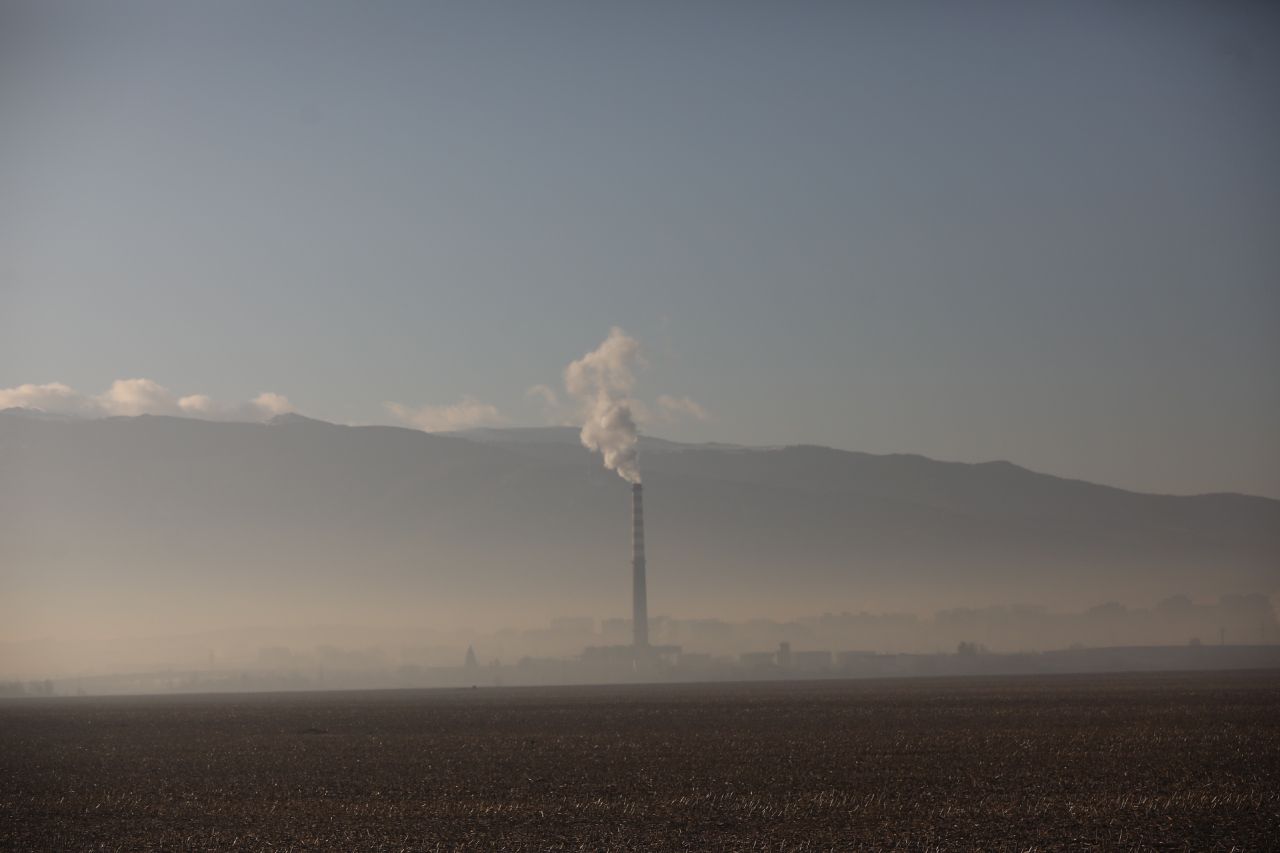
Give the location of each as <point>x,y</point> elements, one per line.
<point>757,660</point>
<point>810,661</point>
<point>615,631</point>
<point>575,625</point>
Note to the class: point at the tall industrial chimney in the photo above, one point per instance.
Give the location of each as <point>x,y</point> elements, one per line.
<point>640,597</point>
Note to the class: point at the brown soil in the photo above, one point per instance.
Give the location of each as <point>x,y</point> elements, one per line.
<point>1099,762</point>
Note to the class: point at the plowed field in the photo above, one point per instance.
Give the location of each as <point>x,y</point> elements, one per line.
<point>1099,762</point>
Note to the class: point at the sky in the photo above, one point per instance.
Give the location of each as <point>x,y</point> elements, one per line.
<point>1045,233</point>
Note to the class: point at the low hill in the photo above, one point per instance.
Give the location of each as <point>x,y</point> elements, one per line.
<point>162,521</point>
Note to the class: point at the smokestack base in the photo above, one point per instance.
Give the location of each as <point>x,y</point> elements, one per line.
<point>639,593</point>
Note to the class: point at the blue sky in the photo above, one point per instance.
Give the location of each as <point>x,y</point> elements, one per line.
<point>1037,232</point>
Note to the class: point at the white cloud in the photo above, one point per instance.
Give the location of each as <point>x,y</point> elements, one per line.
<point>130,397</point>
<point>196,404</point>
<point>54,397</point>
<point>553,411</point>
<point>544,393</point>
<point>674,408</point>
<point>271,404</point>
<point>138,397</point>
<point>466,413</point>
<point>261,408</point>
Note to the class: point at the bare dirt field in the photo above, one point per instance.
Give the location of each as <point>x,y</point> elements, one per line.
<point>1093,762</point>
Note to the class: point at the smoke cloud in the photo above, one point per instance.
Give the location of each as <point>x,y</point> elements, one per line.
<point>466,413</point>
<point>130,397</point>
<point>601,381</point>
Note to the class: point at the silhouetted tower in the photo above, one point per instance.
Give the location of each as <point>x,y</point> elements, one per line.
<point>639,595</point>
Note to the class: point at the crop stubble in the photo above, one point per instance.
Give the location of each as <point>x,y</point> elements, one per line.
<point>1107,762</point>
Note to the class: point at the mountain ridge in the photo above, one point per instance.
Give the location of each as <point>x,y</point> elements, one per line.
<point>568,435</point>
<point>214,520</point>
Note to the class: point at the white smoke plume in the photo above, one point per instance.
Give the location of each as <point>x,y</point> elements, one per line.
<point>138,397</point>
<point>601,381</point>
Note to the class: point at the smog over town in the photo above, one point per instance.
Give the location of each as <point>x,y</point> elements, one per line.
<point>564,426</point>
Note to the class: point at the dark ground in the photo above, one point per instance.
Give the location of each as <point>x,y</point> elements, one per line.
<point>1105,762</point>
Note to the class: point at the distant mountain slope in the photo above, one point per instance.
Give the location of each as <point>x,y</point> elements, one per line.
<point>235,521</point>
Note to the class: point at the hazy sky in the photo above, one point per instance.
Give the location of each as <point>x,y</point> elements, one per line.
<point>1039,232</point>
